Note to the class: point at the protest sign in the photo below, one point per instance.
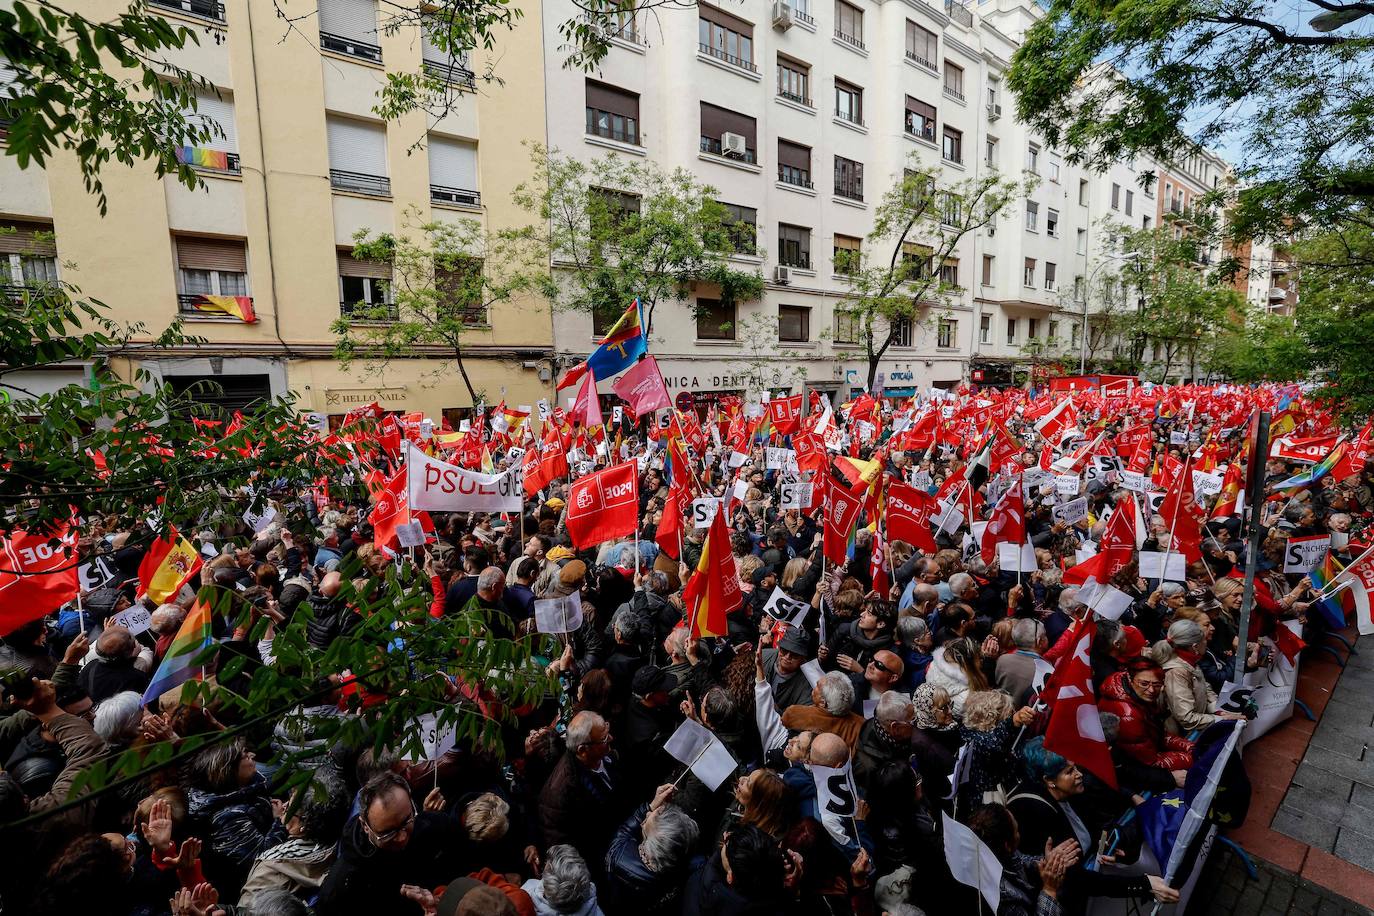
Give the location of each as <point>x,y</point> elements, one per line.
<point>99,571</point>
<point>971,862</point>
<point>1152,566</point>
<point>1071,512</point>
<point>1304,554</point>
<point>794,496</point>
<point>837,801</point>
<point>136,618</point>
<point>558,615</point>
<point>1066,485</point>
<point>437,486</point>
<point>781,606</point>
<point>702,752</point>
<point>704,511</point>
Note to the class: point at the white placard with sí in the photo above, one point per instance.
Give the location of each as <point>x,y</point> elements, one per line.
<point>545,411</point>
<point>558,615</point>
<point>1205,484</point>
<point>1152,566</point>
<point>1016,557</point>
<point>794,496</point>
<point>782,606</point>
<point>136,618</point>
<point>1071,512</point>
<point>704,511</point>
<point>1134,481</point>
<point>1304,554</point>
<point>702,752</point>
<point>921,480</point>
<point>1067,485</point>
<point>1036,477</point>
<point>436,740</point>
<point>837,802</point>
<point>1178,437</point>
<point>780,459</point>
<point>100,571</point>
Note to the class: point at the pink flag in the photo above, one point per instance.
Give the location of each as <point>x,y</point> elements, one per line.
<point>587,409</point>
<point>643,388</point>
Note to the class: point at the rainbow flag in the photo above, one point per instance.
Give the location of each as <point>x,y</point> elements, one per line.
<point>1332,607</point>
<point>1317,471</point>
<point>240,307</point>
<point>178,665</point>
<point>202,158</point>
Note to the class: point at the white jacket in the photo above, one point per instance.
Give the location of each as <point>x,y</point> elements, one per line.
<point>951,677</point>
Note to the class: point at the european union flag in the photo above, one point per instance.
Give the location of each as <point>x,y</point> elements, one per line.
<point>1160,818</point>
<point>622,345</point>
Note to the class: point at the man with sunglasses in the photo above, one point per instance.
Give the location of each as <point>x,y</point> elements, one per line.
<point>389,843</point>
<point>880,675</point>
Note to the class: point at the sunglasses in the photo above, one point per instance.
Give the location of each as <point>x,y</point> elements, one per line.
<point>880,666</point>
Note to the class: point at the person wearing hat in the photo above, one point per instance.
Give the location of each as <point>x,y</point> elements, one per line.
<point>782,669</point>
<point>649,722</point>
<point>554,503</point>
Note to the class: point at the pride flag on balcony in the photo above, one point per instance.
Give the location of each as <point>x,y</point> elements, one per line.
<point>240,307</point>
<point>203,158</point>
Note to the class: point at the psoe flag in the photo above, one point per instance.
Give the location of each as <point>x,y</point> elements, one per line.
<point>436,485</point>
<point>38,576</point>
<point>622,345</point>
<point>603,506</point>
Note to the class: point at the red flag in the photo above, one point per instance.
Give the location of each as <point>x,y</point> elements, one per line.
<point>1182,517</point>
<point>1228,499</point>
<point>390,436</point>
<point>33,581</point>
<point>1005,449</point>
<point>572,376</point>
<point>604,506</point>
<point>1007,522</point>
<point>785,414</point>
<point>877,566</point>
<point>532,472</point>
<point>390,511</point>
<point>714,590</point>
<point>909,512</point>
<point>553,457</point>
<point>1075,731</point>
<point>810,453</point>
<point>1140,456</point>
<point>1060,421</point>
<point>668,536</point>
<point>643,388</point>
<point>586,408</point>
<point>841,512</point>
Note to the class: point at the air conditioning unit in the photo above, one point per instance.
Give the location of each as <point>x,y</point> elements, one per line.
<point>782,15</point>
<point>732,145</point>
<point>782,275</point>
<point>994,111</point>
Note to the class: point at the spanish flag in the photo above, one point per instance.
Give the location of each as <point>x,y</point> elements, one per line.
<point>240,307</point>
<point>714,590</point>
<point>168,565</point>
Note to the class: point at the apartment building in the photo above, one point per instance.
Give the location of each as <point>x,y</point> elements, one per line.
<point>303,164</point>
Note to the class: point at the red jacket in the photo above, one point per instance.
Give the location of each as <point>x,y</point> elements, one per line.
<point>1141,733</point>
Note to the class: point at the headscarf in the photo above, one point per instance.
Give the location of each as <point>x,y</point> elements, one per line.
<point>924,701</point>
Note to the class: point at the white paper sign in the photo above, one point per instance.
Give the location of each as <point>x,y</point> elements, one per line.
<point>1016,557</point>
<point>262,520</point>
<point>436,740</point>
<point>1066,485</point>
<point>836,802</point>
<point>780,459</point>
<point>1152,562</point>
<point>617,412</point>
<point>794,496</point>
<point>1205,484</point>
<point>948,519</point>
<point>96,573</point>
<point>136,618</point>
<point>558,615</point>
<point>704,511</point>
<point>1035,477</point>
<point>411,534</point>
<point>1178,437</point>
<point>971,862</point>
<point>812,669</point>
<point>921,480</point>
<point>1135,481</point>
<point>545,411</point>
<point>1304,554</point>
<point>782,606</point>
<point>694,745</point>
<point>1071,512</point>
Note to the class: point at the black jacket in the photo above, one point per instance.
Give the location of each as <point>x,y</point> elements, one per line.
<point>630,887</point>
<point>708,894</point>
<point>333,618</point>
<point>366,880</point>
<point>577,807</point>
<point>103,678</point>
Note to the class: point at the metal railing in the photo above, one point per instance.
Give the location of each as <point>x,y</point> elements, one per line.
<point>954,93</point>
<point>926,129</point>
<point>460,196</point>
<point>712,145</point>
<point>852,190</point>
<point>473,314</point>
<point>186,304</point>
<point>918,59</point>
<point>370,311</point>
<point>803,17</point>
<point>851,40</point>
<point>730,59</point>
<point>959,13</point>
<point>800,259</point>
<point>793,97</point>
<point>350,47</point>
<point>453,74</point>
<point>957,158</point>
<point>205,9</point>
<point>849,116</point>
<point>794,176</point>
<point>360,183</point>
<point>610,133</point>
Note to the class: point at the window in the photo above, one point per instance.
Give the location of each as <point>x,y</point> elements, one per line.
<point>849,24</point>
<point>1130,200</point>
<point>215,112</point>
<point>350,27</point>
<point>794,246</point>
<point>1054,330</point>
<point>921,45</point>
<point>920,119</point>
<point>453,172</point>
<point>849,178</point>
<point>1032,328</point>
<point>1054,169</point>
<point>985,329</point>
<point>954,144</point>
<point>28,254</point>
<point>603,319</point>
<point>364,288</point>
<point>1028,275</point>
<point>949,272</point>
<point>794,164</point>
<point>1082,247</point>
<point>1073,334</point>
<point>453,68</point>
<point>990,151</point>
<point>725,37</point>
<point>1144,222</point>
<point>1033,159</point>
<point>1051,270</point>
<point>951,209</point>
<point>1149,190</point>
<point>612,113</point>
<point>1032,216</point>
<point>1011,330</point>
<point>720,127</point>
<point>846,255</point>
<point>794,324</point>
<point>849,102</point>
<point>459,284</point>
<point>1052,223</point>
<point>987,269</point>
<point>947,333</point>
<point>794,81</point>
<point>715,320</point>
<point>357,156</point>
<point>210,267</point>
<point>954,81</point>
<point>1078,288</point>
<point>1082,192</point>
<point>846,327</point>
<point>918,260</point>
<point>901,331</point>
<point>742,225</point>
<point>1116,196</point>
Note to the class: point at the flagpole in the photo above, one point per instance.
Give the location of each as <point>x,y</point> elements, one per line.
<point>1330,589</point>
<point>701,753</point>
<point>1164,563</point>
<point>80,612</point>
<point>1256,488</point>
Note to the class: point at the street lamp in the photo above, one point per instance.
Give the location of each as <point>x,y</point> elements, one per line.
<point>1334,19</point>
<point>1087,294</point>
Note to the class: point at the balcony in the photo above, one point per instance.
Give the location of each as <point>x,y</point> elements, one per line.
<point>953,93</point>
<point>454,74</point>
<point>201,9</point>
<point>200,306</point>
<point>803,17</point>
<point>798,259</point>
<point>959,13</point>
<point>209,160</point>
<point>850,190</point>
<point>920,61</point>
<point>350,47</point>
<point>370,311</point>
<point>457,196</point>
<point>794,176</point>
<point>853,41</point>
<point>793,97</point>
<point>851,116</point>
<point>718,54</point>
<point>712,145</point>
<point>360,183</point>
<point>608,131</point>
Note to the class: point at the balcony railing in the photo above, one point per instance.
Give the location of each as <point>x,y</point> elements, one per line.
<point>454,74</point>
<point>350,47</point>
<point>205,9</point>
<point>712,145</point>
<point>959,13</point>
<point>921,61</point>
<point>718,54</point>
<point>803,17</point>
<point>209,160</point>
<point>370,311</point>
<point>853,41</point>
<point>460,196</point>
<point>187,305</point>
<point>850,116</point>
<point>793,97</point>
<point>851,190</point>
<point>953,93</point>
<point>360,183</point>
<point>622,135</point>
<point>794,176</point>
<point>800,259</point>
<point>955,156</point>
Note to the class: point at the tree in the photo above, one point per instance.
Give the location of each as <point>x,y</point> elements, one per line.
<point>908,264</point>
<point>1106,82</point>
<point>446,277</point>
<point>762,361</point>
<point>617,229</point>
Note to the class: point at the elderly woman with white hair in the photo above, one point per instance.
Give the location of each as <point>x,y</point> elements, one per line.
<point>565,888</point>
<point>1186,694</point>
<point>649,858</point>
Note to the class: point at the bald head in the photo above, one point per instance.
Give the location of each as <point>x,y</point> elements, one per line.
<point>116,642</point>
<point>829,750</point>
<point>331,583</point>
<point>491,582</point>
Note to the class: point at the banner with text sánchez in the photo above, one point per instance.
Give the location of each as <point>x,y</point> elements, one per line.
<point>604,506</point>
<point>437,486</point>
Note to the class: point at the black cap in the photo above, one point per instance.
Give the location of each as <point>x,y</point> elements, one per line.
<point>794,640</point>
<point>651,679</point>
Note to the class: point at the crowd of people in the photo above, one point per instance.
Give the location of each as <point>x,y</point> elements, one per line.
<point>899,668</point>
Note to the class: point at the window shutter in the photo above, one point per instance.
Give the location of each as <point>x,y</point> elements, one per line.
<point>716,121</point>
<point>23,240</point>
<point>794,154</point>
<point>452,163</point>
<point>230,255</point>
<point>351,267</point>
<point>210,108</point>
<point>356,19</point>
<point>610,98</point>
<point>356,146</point>
<point>916,106</point>
<point>722,18</point>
